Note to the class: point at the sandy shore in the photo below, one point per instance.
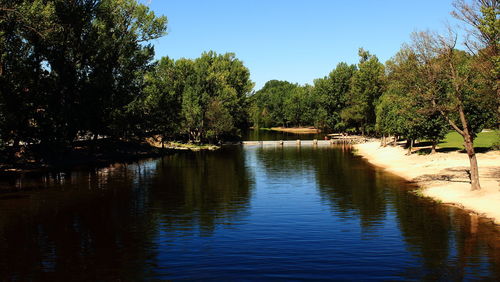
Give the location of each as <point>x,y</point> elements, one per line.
<point>443,176</point>
<point>298,130</point>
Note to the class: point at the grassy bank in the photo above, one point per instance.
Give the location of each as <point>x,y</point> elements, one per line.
<point>486,140</point>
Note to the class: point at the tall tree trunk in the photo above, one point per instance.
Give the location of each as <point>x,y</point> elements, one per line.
<point>474,170</point>
<point>469,147</point>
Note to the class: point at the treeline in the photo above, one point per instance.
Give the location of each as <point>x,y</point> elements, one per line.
<point>426,89</point>
<point>395,99</point>
<point>343,101</point>
<point>81,70</point>
<point>201,100</point>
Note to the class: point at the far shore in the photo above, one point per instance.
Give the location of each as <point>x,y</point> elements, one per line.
<point>100,152</point>
<point>443,176</point>
<point>297,130</point>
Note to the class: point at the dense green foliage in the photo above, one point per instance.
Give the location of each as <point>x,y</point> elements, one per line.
<point>332,92</point>
<point>70,68</point>
<point>281,103</point>
<point>427,88</point>
<point>401,111</point>
<point>343,101</point>
<point>75,70</point>
<point>201,100</point>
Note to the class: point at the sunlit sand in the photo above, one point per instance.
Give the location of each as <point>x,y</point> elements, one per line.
<point>444,176</point>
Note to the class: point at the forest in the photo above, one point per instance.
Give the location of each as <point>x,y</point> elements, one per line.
<point>85,70</point>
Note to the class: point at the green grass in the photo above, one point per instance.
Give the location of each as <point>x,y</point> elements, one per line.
<point>484,140</point>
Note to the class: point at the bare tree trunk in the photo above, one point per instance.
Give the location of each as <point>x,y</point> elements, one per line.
<point>474,170</point>
<point>469,147</point>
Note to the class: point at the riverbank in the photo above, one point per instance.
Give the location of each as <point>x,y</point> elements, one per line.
<point>443,176</point>
<point>297,130</point>
<point>81,153</point>
<point>172,145</point>
<point>92,152</point>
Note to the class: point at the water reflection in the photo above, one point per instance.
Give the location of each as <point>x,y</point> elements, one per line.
<point>202,189</point>
<point>248,213</point>
<point>105,223</point>
<point>443,242</point>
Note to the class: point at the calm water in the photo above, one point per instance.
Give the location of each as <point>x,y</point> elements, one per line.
<point>240,213</point>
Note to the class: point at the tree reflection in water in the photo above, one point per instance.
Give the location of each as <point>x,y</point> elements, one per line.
<point>104,223</point>
<point>168,218</point>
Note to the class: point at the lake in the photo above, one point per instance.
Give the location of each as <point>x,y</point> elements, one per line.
<point>240,213</point>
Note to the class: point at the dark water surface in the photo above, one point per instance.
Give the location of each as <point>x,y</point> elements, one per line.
<point>248,213</point>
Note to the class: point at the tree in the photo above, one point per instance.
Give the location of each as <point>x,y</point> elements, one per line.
<point>22,76</point>
<point>401,110</point>
<point>74,67</point>
<point>213,92</point>
<point>160,108</point>
<point>449,83</point>
<point>268,104</point>
<point>300,106</point>
<point>193,114</point>
<point>366,87</point>
<point>332,92</point>
<point>482,40</point>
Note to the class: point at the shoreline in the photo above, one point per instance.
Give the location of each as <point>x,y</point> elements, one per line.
<point>443,176</point>
<point>297,130</point>
<point>107,152</point>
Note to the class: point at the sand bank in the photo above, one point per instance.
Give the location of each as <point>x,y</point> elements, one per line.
<point>298,130</point>
<point>443,176</point>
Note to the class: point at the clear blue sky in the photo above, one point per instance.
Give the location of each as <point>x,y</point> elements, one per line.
<point>293,40</point>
